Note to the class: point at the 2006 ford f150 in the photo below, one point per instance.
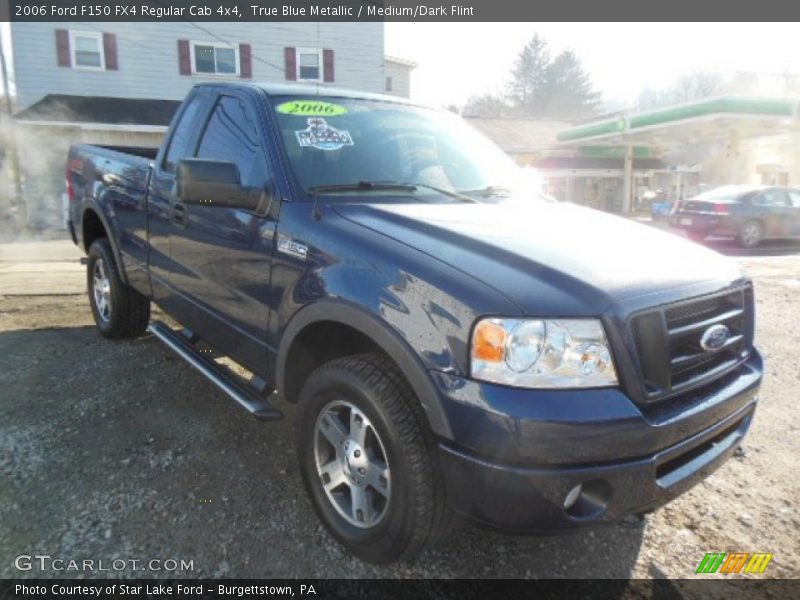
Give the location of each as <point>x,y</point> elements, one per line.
<point>455,341</point>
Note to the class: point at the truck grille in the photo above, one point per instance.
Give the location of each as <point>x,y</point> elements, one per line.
<point>668,341</point>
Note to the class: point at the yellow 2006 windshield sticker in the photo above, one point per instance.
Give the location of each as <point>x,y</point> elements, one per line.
<point>311,108</point>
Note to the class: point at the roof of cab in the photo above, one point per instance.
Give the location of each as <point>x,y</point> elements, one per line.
<point>301,89</point>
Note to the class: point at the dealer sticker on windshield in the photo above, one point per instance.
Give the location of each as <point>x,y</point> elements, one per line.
<point>322,136</point>
<point>311,108</point>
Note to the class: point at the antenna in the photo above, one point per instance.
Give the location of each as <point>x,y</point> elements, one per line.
<point>322,65</point>
<point>315,212</point>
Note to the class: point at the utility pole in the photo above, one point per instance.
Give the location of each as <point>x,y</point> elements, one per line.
<point>12,142</point>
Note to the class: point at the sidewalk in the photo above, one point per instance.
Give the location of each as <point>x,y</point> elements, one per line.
<point>48,268</point>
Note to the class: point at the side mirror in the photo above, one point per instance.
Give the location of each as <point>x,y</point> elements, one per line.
<point>216,183</point>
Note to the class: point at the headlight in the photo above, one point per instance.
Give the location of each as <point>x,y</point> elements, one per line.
<point>535,353</point>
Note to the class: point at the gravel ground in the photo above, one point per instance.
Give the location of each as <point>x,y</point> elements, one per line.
<point>120,450</point>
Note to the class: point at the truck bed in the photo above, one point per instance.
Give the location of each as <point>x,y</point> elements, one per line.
<point>112,182</point>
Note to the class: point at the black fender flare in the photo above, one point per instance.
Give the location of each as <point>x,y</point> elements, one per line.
<point>353,315</point>
<point>90,204</point>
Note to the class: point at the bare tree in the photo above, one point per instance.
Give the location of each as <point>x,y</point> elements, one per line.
<point>688,87</point>
<point>486,105</point>
<point>696,86</point>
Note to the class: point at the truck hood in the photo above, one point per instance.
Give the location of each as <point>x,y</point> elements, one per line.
<point>549,257</point>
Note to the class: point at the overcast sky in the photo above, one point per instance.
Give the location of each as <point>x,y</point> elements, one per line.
<point>461,59</point>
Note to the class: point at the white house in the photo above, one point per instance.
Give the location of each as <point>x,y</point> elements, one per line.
<point>398,76</point>
<point>120,83</point>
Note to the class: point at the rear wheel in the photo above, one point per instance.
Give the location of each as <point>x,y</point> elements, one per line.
<point>369,460</point>
<point>119,311</point>
<point>751,234</point>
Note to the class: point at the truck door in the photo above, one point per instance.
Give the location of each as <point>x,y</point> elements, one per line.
<point>222,256</point>
<point>180,143</point>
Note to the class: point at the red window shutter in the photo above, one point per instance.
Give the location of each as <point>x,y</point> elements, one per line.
<point>327,65</point>
<point>290,58</point>
<point>62,48</point>
<point>110,51</point>
<point>184,57</point>
<point>245,61</point>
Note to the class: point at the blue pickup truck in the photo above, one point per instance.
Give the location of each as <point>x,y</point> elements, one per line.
<point>455,342</point>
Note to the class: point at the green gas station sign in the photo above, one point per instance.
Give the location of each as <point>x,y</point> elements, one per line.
<point>614,151</point>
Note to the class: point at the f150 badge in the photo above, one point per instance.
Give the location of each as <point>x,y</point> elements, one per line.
<point>292,248</point>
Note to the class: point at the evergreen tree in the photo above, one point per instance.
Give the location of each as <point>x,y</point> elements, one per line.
<point>557,88</point>
<point>529,77</point>
<point>568,88</point>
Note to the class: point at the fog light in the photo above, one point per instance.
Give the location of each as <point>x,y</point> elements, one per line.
<point>588,500</point>
<point>572,496</point>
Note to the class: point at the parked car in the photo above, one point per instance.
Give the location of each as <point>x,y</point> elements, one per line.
<point>451,342</point>
<point>751,214</point>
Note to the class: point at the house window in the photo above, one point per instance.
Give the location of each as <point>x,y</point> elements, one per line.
<point>87,50</point>
<point>309,64</point>
<point>388,84</point>
<point>215,59</point>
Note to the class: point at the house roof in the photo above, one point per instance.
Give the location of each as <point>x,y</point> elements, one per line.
<point>62,108</point>
<point>519,136</point>
<point>401,61</point>
<point>306,89</point>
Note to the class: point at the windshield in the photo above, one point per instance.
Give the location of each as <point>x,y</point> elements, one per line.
<point>345,145</point>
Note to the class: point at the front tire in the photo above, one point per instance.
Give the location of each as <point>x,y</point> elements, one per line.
<point>119,310</point>
<point>369,460</point>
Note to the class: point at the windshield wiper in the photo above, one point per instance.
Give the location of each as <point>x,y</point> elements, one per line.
<point>362,186</point>
<point>382,186</point>
<point>448,193</point>
<point>489,190</point>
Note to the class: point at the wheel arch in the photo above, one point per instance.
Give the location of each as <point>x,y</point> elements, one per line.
<point>94,225</point>
<point>373,332</point>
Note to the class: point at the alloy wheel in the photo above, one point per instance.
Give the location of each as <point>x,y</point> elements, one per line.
<point>101,288</point>
<point>352,464</point>
<point>751,234</point>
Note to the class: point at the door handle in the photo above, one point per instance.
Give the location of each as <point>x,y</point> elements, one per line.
<point>179,214</point>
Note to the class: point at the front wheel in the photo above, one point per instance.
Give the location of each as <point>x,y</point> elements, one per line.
<point>119,310</point>
<point>369,460</point>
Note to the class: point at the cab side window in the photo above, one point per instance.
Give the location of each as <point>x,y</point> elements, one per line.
<point>182,136</point>
<point>232,135</point>
<point>794,196</point>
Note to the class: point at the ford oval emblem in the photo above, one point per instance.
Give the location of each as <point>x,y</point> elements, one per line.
<point>714,337</point>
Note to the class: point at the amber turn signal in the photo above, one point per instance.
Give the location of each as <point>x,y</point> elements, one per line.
<point>489,342</point>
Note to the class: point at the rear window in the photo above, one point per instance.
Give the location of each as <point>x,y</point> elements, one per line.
<point>182,136</point>
<point>726,192</point>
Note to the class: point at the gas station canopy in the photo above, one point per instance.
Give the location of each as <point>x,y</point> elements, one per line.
<point>726,119</point>
<point>723,119</point>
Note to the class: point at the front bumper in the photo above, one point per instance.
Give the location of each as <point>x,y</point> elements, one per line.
<point>513,471</point>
